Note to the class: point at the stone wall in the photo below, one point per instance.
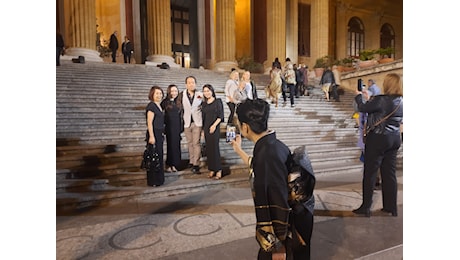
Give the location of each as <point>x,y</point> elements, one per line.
<point>349,79</point>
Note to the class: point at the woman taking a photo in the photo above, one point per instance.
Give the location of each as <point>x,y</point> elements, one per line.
<point>383,139</point>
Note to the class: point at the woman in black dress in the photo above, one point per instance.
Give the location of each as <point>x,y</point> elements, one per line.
<point>173,127</point>
<point>154,135</point>
<point>213,115</point>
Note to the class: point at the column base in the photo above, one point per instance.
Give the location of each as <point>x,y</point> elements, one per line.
<point>225,66</point>
<point>90,55</point>
<point>154,60</point>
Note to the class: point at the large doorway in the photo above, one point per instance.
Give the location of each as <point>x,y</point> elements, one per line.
<point>181,35</point>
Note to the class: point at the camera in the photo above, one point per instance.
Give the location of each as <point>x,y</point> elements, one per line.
<point>360,85</point>
<point>230,134</point>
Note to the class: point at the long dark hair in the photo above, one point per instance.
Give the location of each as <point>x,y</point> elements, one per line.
<point>211,88</point>
<point>166,104</point>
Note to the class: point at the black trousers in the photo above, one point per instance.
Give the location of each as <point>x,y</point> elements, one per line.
<point>291,88</point>
<point>232,108</point>
<point>302,222</point>
<point>114,55</point>
<point>58,56</point>
<point>127,57</point>
<point>380,153</point>
<point>335,94</point>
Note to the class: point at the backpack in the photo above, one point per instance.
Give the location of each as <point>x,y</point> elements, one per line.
<point>301,181</point>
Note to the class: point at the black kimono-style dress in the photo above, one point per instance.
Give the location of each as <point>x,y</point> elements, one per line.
<point>173,128</point>
<point>210,113</point>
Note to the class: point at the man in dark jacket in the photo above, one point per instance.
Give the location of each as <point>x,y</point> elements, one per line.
<point>113,45</point>
<point>127,49</point>
<point>327,80</point>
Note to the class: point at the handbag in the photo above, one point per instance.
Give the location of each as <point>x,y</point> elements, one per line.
<point>367,131</point>
<point>151,159</point>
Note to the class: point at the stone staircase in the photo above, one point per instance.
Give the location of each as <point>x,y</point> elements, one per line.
<point>100,130</point>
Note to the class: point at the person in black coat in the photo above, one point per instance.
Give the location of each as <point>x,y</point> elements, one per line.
<point>113,45</point>
<point>383,139</point>
<point>127,49</point>
<point>269,167</point>
<point>174,126</point>
<point>59,48</point>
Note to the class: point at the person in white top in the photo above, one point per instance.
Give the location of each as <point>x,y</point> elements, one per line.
<point>230,87</point>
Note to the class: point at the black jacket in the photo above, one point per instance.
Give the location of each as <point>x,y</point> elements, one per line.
<point>113,44</point>
<point>378,107</point>
<point>127,47</point>
<point>327,77</point>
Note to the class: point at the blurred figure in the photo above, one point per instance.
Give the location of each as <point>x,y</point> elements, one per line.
<point>59,48</point>
<point>327,79</point>
<point>231,86</point>
<point>113,45</point>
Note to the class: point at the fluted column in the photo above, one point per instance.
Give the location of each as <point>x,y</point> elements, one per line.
<point>292,30</point>
<point>225,35</point>
<point>276,32</point>
<point>159,31</point>
<point>80,26</point>
<point>319,29</point>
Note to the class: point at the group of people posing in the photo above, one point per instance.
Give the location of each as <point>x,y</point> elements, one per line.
<point>283,232</point>
<point>196,113</point>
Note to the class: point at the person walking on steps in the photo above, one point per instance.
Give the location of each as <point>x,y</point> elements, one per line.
<point>113,45</point>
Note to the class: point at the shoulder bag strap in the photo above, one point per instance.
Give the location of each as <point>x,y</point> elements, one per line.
<point>381,120</point>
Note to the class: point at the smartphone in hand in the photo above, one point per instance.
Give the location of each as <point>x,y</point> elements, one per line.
<point>230,134</point>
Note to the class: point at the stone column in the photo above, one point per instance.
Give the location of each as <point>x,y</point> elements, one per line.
<point>159,31</point>
<point>292,31</point>
<point>319,29</point>
<point>80,23</point>
<point>276,32</point>
<point>225,36</point>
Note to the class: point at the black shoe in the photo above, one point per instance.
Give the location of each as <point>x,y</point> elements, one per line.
<point>196,170</point>
<point>363,211</point>
<point>189,165</point>
<point>393,213</point>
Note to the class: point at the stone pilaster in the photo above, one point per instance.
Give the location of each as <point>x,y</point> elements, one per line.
<point>80,25</point>
<point>319,29</point>
<point>225,36</point>
<point>276,32</point>
<point>159,31</point>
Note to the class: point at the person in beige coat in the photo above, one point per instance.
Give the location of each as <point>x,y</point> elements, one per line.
<point>193,121</point>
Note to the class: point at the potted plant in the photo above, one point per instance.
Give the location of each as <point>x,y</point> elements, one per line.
<point>347,64</point>
<point>320,65</point>
<point>366,58</point>
<point>385,54</point>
